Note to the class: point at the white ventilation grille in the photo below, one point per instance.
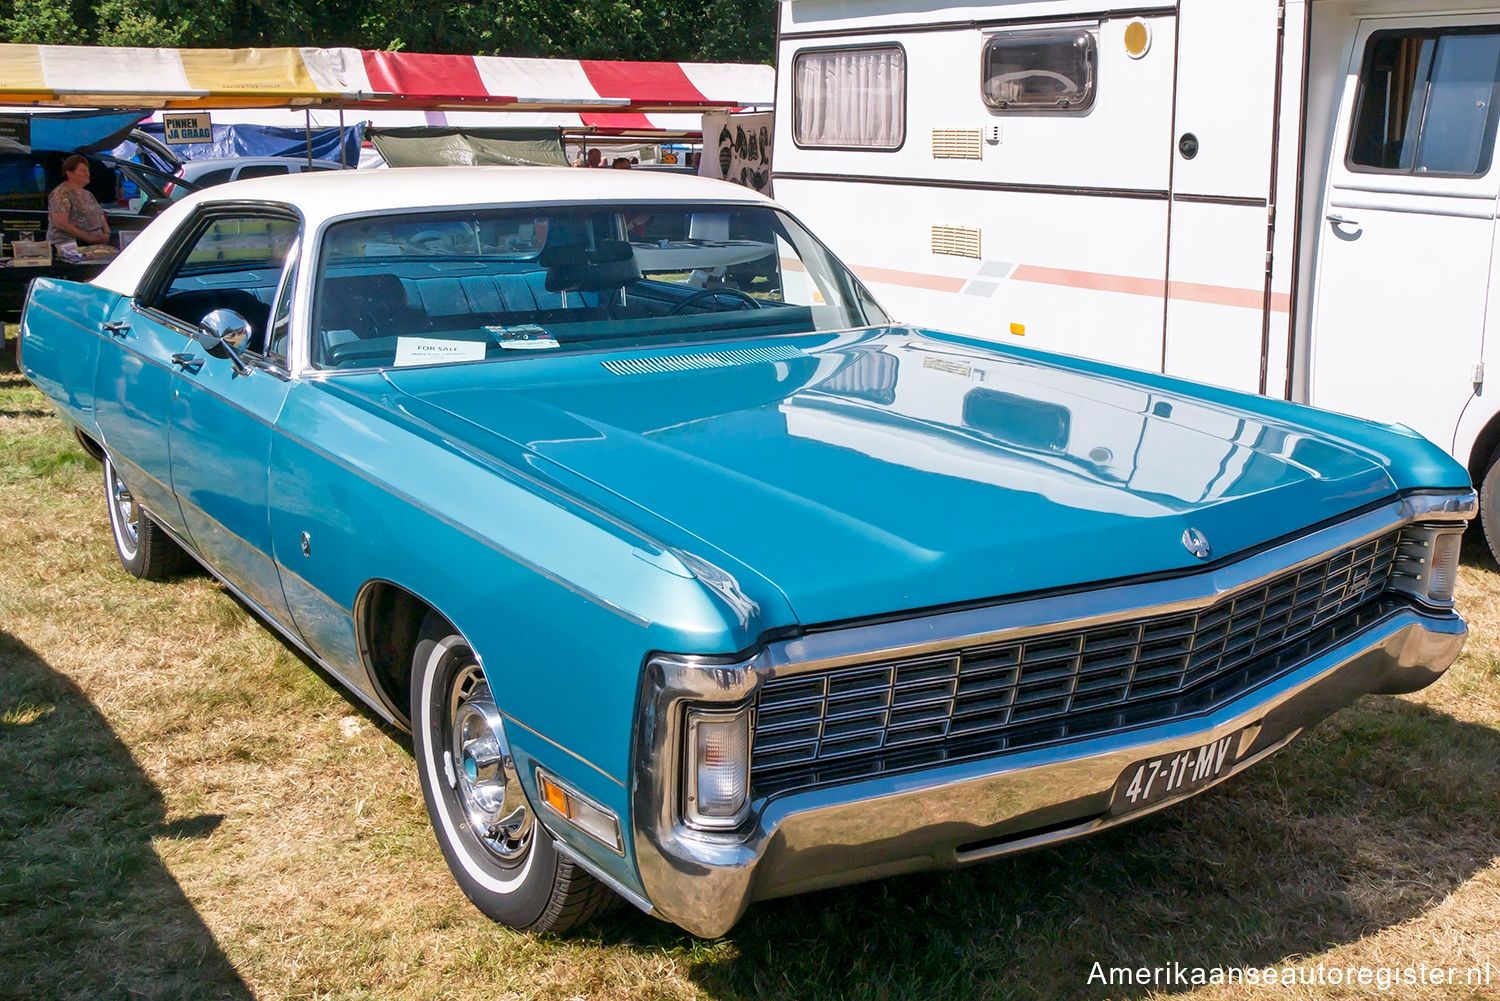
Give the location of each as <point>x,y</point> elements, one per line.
<point>959,241</point>
<point>956,144</point>
<point>700,359</point>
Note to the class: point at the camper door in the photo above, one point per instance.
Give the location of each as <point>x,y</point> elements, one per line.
<point>1408,223</point>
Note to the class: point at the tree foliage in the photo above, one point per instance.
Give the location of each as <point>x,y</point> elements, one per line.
<point>699,30</point>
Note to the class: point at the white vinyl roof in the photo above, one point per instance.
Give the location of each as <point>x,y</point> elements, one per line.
<point>323,195</point>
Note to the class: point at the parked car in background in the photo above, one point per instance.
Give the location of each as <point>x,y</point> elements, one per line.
<point>221,170</point>
<point>695,579</point>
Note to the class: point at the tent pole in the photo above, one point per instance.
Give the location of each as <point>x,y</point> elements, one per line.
<point>343,162</point>
<point>307,130</point>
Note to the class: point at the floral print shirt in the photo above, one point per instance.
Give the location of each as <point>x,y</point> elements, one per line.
<point>81,208</point>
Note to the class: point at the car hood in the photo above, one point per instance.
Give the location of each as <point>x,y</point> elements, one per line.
<point>878,471</point>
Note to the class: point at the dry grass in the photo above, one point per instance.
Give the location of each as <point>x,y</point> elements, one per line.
<point>189,810</point>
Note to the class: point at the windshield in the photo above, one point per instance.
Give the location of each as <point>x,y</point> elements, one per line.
<point>417,289</point>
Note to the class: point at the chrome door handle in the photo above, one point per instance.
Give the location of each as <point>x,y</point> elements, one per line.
<point>187,362</point>
<point>115,328</point>
<point>1339,220</point>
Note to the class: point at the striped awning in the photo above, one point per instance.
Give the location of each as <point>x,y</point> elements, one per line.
<point>613,91</point>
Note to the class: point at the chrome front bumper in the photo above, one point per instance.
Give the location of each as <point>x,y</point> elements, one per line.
<point>947,815</point>
<point>944,817</point>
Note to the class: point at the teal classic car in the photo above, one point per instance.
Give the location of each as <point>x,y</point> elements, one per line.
<point>697,580</point>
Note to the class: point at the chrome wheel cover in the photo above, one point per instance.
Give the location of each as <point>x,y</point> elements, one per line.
<point>124,515</point>
<point>480,770</point>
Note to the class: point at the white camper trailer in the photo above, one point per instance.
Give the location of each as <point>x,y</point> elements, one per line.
<point>1290,197</point>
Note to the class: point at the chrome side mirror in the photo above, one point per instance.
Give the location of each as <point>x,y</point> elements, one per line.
<point>223,333</point>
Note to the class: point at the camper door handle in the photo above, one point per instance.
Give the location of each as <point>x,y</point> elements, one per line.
<point>187,362</point>
<point>1339,220</point>
<point>115,328</point>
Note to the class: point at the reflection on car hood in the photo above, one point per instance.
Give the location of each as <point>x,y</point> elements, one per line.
<point>882,470</point>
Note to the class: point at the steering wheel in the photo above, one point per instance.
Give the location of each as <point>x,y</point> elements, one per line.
<point>705,293</point>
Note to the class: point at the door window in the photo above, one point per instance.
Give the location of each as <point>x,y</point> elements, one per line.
<point>1427,102</point>
<point>234,262</point>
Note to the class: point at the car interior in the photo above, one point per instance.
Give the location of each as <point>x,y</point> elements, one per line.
<point>578,279</point>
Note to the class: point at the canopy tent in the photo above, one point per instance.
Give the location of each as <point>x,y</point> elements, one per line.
<point>656,126</point>
<point>297,139</point>
<point>64,131</point>
<point>425,146</point>
<point>605,94</point>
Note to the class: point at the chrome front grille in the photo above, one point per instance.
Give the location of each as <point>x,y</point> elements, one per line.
<point>834,725</point>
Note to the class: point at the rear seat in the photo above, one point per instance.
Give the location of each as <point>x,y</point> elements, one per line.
<point>368,306</point>
<point>381,305</point>
<point>481,294</point>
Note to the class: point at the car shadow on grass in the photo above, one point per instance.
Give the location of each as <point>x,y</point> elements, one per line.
<point>1362,824</point>
<point>89,910</point>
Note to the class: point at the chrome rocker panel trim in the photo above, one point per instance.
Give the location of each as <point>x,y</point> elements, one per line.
<point>949,815</point>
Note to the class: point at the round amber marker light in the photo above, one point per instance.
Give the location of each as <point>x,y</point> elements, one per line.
<point>1137,38</point>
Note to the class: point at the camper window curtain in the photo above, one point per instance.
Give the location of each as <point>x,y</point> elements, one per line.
<point>850,98</point>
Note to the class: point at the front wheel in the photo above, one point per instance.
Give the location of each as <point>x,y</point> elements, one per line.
<point>502,858</point>
<point>144,547</point>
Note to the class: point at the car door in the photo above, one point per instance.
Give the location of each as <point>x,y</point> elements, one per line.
<point>1408,228</point>
<point>223,408</point>
<point>132,404</point>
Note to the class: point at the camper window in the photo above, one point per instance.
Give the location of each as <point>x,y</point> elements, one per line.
<point>1049,70</point>
<point>1427,102</point>
<point>850,98</point>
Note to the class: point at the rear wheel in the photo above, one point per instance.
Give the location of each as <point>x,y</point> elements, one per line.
<point>1489,504</point>
<point>145,549</point>
<point>502,858</point>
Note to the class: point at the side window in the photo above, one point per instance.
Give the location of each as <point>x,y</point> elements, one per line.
<point>213,177</point>
<point>262,170</point>
<point>1052,70</point>
<point>233,262</point>
<point>850,98</point>
<point>1427,102</point>
<point>281,322</point>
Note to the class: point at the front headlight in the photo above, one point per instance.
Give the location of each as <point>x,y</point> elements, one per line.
<point>1427,562</point>
<point>718,769</point>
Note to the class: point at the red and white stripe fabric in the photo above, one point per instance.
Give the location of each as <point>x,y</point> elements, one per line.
<point>95,76</point>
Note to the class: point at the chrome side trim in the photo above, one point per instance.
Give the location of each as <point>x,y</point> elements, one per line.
<point>288,635</point>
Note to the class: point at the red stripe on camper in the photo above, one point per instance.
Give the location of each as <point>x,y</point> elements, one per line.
<point>1093,280</point>
<point>642,83</point>
<point>421,74</point>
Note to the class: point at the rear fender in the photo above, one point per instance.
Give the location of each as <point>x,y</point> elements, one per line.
<point>61,330</point>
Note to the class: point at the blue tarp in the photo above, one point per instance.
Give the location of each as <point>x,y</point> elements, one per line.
<point>69,132</point>
<point>269,140</point>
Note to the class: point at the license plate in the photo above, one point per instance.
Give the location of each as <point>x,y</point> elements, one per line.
<point>1172,775</point>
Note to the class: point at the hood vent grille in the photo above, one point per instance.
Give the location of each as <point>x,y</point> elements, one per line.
<point>701,359</point>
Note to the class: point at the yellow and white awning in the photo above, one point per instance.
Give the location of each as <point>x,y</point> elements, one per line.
<point>105,77</point>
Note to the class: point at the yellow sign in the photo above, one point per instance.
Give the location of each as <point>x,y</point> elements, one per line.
<point>192,127</point>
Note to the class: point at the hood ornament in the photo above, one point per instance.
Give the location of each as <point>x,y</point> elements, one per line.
<point>1196,543</point>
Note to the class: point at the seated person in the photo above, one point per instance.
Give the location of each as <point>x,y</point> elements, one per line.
<point>73,213</point>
